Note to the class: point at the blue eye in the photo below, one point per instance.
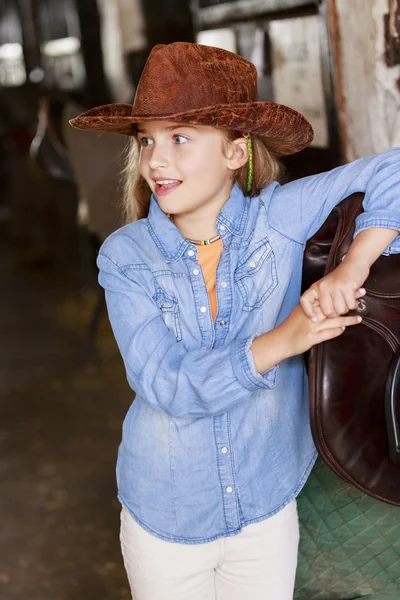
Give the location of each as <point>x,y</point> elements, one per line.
<point>144,141</point>
<point>180,137</point>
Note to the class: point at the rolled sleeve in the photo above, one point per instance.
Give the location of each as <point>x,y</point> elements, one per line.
<point>245,370</point>
<point>387,219</point>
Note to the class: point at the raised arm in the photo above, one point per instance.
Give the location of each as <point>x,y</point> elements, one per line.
<point>299,208</point>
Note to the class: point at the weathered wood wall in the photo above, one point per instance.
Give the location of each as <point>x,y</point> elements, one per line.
<point>370,88</point>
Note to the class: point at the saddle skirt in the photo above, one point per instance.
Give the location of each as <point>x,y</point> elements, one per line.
<point>355,378</point>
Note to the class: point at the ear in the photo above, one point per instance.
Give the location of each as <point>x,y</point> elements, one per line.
<point>238,154</point>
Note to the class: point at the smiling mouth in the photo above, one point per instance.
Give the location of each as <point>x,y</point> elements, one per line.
<point>166,186</point>
<point>167,183</point>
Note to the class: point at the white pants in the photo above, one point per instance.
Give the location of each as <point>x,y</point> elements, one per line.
<point>257,564</point>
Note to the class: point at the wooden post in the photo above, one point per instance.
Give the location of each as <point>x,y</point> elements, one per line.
<point>97,91</point>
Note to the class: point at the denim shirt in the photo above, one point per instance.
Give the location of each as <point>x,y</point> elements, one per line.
<point>210,445</point>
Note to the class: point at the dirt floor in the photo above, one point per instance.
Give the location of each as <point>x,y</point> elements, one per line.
<point>60,426</point>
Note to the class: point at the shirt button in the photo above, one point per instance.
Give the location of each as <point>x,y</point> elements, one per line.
<point>253,264</point>
<point>225,247</point>
<point>196,271</point>
<point>229,489</point>
<point>191,253</point>
<point>223,323</point>
<point>224,450</point>
<point>224,284</point>
<point>222,227</point>
<point>203,308</point>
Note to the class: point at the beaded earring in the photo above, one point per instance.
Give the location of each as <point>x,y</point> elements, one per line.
<point>250,172</point>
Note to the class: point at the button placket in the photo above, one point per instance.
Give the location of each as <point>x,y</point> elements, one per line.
<point>201,300</point>
<point>224,297</point>
<point>225,471</point>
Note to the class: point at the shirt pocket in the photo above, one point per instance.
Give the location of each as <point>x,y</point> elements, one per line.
<point>169,307</point>
<point>256,275</point>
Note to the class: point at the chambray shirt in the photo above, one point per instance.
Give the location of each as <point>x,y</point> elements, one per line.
<point>210,445</point>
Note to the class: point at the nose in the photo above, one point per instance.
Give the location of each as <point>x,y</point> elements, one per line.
<point>159,157</point>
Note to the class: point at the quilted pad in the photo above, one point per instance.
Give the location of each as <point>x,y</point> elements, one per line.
<point>349,542</point>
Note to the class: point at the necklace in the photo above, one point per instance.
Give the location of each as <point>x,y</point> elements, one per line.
<point>204,242</point>
<point>198,242</point>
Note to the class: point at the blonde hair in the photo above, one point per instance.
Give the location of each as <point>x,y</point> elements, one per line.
<point>136,192</point>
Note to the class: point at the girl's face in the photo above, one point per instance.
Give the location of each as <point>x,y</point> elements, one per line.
<point>188,168</point>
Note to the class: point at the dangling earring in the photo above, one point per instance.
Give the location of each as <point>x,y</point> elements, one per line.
<point>250,171</point>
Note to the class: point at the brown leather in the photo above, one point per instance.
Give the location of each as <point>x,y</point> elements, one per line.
<point>202,85</point>
<point>355,379</point>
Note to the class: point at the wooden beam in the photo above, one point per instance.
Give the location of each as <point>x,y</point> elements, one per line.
<point>244,10</point>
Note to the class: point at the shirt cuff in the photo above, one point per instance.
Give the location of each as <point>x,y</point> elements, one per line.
<point>381,218</point>
<point>245,370</point>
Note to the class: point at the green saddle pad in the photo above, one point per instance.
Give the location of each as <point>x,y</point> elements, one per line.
<point>381,597</point>
<point>349,542</point>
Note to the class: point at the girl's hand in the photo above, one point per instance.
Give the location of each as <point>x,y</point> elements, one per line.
<point>338,292</point>
<point>300,333</point>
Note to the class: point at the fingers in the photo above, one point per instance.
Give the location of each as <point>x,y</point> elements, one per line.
<point>329,334</point>
<point>318,312</point>
<point>344,300</point>
<point>352,297</point>
<point>326,303</point>
<point>335,322</point>
<point>350,300</point>
<point>306,302</point>
<point>360,293</point>
<point>334,327</point>
<point>340,302</point>
<point>331,304</point>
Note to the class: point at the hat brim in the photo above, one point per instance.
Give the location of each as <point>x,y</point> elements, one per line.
<point>284,130</point>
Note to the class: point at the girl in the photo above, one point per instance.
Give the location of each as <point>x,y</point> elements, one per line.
<point>203,294</point>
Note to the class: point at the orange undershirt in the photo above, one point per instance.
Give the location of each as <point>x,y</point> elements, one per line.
<point>208,259</point>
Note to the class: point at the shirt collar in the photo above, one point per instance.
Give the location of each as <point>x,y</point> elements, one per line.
<point>170,241</point>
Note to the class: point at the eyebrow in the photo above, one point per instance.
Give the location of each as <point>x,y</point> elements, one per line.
<point>171,128</point>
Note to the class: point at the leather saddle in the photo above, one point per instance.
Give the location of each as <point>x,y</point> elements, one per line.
<point>355,378</point>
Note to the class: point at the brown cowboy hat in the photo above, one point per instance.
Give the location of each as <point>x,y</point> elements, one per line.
<point>202,85</point>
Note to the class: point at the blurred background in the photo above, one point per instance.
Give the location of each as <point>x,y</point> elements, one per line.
<point>63,393</point>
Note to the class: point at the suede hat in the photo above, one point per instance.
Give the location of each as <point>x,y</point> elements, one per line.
<point>197,84</point>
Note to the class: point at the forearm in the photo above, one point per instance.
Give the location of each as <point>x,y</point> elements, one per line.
<point>269,349</point>
<point>296,334</point>
<point>369,245</point>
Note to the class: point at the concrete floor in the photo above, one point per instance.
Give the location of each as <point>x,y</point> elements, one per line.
<point>60,426</point>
